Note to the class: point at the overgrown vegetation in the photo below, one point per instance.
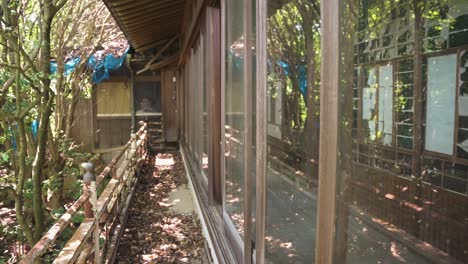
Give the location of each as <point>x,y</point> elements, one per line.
<point>37,108</point>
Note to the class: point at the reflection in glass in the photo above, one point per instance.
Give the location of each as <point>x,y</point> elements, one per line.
<point>293,45</point>
<point>403,190</point>
<point>234,114</point>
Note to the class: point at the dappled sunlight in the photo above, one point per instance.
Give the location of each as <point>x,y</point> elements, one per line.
<point>154,233</point>
<point>164,162</point>
<point>276,245</point>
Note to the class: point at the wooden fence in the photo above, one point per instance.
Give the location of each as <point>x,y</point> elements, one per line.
<point>105,215</point>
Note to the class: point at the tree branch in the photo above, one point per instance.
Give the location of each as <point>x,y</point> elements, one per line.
<point>25,111</point>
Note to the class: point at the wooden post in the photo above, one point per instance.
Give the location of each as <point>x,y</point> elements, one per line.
<point>88,177</point>
<point>329,126</point>
<point>97,231</point>
<point>90,207</point>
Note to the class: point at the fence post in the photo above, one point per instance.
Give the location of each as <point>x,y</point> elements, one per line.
<point>88,177</point>
<point>133,152</point>
<point>90,207</point>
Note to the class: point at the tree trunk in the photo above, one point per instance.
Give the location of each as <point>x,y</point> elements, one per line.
<point>311,131</point>
<point>345,165</point>
<point>45,111</point>
<point>418,111</point>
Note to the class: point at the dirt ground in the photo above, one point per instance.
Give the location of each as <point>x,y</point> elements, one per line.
<point>154,232</point>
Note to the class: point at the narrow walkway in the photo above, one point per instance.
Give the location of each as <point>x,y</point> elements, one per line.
<point>162,226</point>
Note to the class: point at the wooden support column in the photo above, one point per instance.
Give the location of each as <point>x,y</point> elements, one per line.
<point>248,41</point>
<point>261,133</point>
<point>132,99</point>
<point>329,125</point>
<point>214,111</point>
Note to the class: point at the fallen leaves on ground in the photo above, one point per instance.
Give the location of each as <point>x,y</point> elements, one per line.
<point>153,234</point>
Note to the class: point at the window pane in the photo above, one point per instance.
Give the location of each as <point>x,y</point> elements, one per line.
<point>234,114</point>
<point>401,202</point>
<point>293,128</point>
<point>441,86</point>
<point>386,104</point>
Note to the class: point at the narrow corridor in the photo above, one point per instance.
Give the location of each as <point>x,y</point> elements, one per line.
<point>162,226</point>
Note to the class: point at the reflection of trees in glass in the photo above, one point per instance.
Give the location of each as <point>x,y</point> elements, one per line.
<point>404,34</point>
<point>293,46</point>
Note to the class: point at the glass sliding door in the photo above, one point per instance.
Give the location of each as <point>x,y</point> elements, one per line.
<point>401,167</point>
<point>293,70</point>
<point>234,120</point>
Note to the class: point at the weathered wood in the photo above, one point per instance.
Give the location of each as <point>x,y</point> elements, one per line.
<point>114,243</point>
<point>137,20</point>
<point>169,106</point>
<point>84,254</point>
<point>189,36</point>
<point>261,108</point>
<point>158,55</point>
<point>329,125</point>
<point>72,251</point>
<point>166,62</point>
<point>87,208</point>
<point>81,130</point>
<point>248,133</point>
<point>46,241</point>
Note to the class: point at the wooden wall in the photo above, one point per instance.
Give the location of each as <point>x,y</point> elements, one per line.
<point>113,132</point>
<point>113,113</point>
<point>82,130</point>
<point>113,98</point>
<point>169,105</point>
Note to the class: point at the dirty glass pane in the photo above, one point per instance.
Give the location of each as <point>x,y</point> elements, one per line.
<point>234,114</point>
<point>293,48</point>
<point>402,199</point>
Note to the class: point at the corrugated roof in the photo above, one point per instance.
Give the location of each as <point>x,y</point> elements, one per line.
<point>147,23</point>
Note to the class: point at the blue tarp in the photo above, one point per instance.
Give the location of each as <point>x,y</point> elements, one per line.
<point>239,64</point>
<point>101,68</point>
<point>302,80</point>
<point>69,66</point>
<point>302,77</point>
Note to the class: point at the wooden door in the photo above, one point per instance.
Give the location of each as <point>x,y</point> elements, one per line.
<point>169,105</point>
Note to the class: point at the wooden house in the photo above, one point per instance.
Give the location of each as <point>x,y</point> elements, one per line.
<point>313,131</point>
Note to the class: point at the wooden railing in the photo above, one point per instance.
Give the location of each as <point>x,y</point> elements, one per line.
<point>99,234</point>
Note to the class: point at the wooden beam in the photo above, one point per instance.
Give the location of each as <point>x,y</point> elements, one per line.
<point>135,5</point>
<point>160,64</point>
<point>165,62</point>
<point>150,46</point>
<point>160,52</point>
<point>188,34</point>
<point>138,18</point>
<point>148,78</point>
